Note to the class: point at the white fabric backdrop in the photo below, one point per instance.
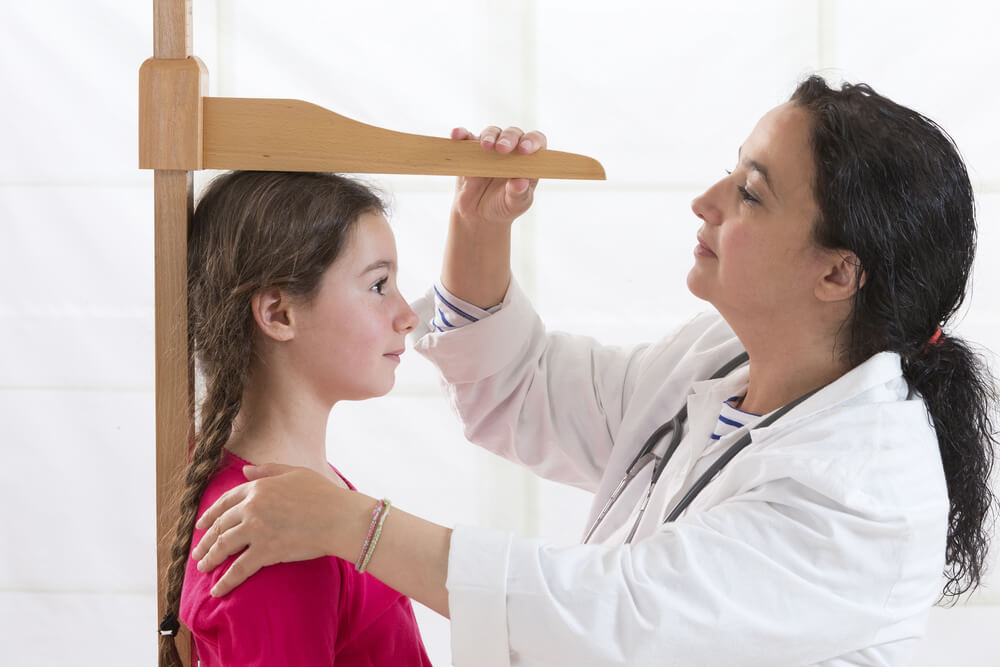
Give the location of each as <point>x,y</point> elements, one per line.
<point>661,93</point>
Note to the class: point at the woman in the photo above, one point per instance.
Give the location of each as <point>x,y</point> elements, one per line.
<point>857,442</point>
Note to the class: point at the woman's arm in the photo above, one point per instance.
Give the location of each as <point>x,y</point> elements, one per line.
<point>288,514</point>
<point>758,566</point>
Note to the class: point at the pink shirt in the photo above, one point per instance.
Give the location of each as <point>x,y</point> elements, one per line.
<point>316,612</point>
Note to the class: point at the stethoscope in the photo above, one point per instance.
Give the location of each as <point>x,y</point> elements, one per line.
<point>647,455</point>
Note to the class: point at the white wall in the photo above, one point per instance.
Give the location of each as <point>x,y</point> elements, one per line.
<point>661,93</point>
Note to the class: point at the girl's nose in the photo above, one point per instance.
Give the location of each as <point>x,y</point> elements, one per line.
<point>407,319</point>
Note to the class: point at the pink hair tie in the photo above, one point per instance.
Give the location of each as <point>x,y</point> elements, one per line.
<point>935,340</point>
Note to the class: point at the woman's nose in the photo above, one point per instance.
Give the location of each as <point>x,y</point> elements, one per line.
<point>705,205</point>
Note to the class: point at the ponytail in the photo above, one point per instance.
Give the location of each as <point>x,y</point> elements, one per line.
<point>960,395</point>
<point>893,189</point>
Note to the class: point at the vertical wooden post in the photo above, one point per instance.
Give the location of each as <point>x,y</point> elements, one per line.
<point>173,194</point>
<point>173,202</point>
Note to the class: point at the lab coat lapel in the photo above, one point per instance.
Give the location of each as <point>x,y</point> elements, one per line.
<point>703,411</point>
<point>880,370</point>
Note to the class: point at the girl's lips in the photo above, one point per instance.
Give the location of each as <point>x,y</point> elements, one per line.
<point>394,355</point>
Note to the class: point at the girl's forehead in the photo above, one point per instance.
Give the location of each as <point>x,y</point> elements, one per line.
<point>371,240</point>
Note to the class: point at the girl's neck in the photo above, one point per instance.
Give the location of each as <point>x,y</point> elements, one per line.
<point>277,426</point>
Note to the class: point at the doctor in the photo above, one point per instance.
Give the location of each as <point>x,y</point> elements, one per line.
<point>800,508</point>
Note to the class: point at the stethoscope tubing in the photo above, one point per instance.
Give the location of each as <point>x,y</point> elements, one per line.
<point>675,427</point>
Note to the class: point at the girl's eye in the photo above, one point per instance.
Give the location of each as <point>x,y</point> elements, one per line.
<point>379,286</point>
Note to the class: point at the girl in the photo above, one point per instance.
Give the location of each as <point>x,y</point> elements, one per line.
<point>781,481</point>
<point>293,307</point>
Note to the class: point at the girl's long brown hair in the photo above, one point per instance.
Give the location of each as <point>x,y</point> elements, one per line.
<point>251,230</point>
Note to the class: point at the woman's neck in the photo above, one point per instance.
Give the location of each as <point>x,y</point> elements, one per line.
<point>787,362</point>
<point>774,384</point>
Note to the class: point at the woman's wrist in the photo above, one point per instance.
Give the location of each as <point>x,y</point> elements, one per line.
<point>350,516</point>
<point>476,265</point>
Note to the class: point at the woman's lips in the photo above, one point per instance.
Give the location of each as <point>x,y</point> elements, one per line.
<point>702,250</point>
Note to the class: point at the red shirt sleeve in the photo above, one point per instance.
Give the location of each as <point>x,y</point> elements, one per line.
<point>285,614</point>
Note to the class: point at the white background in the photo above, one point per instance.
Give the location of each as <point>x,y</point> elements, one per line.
<point>662,93</point>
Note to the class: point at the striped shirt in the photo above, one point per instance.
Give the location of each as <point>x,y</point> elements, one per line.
<point>731,419</point>
<point>450,312</point>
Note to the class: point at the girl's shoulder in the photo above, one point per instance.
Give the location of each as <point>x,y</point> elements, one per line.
<point>228,476</point>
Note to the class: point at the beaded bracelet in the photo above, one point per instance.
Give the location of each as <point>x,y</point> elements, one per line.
<point>386,505</point>
<point>371,531</point>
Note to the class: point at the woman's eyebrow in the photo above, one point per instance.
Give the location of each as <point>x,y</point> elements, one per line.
<point>760,169</point>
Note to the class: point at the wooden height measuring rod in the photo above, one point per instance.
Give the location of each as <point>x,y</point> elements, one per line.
<point>181,130</point>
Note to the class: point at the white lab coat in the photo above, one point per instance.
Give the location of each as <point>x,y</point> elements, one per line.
<point>821,543</point>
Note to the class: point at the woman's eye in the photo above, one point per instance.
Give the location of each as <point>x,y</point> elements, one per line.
<point>746,196</point>
<point>379,286</point>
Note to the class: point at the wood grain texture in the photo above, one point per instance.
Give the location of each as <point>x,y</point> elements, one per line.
<point>173,194</point>
<point>170,113</point>
<point>292,135</point>
<point>172,34</point>
<point>170,138</point>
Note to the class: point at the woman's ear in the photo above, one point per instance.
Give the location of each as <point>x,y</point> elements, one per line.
<point>272,311</point>
<point>842,278</point>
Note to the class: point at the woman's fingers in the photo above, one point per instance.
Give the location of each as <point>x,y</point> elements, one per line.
<point>531,142</point>
<point>488,137</point>
<point>219,541</point>
<point>504,141</point>
<point>508,139</point>
<point>265,470</point>
<point>496,200</point>
<point>242,568</point>
<point>228,499</point>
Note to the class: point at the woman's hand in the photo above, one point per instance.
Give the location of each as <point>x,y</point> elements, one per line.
<point>481,200</point>
<point>288,514</point>
<point>476,265</point>
<point>283,514</point>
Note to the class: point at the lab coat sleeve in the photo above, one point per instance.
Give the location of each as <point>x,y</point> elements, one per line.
<point>780,575</point>
<point>551,402</point>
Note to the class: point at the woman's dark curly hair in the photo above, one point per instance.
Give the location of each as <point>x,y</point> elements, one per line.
<point>893,189</point>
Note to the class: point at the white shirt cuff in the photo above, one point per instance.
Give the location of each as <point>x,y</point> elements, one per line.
<point>477,597</point>
<point>471,353</point>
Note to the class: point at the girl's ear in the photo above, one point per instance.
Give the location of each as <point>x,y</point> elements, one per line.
<point>272,311</point>
<point>843,277</point>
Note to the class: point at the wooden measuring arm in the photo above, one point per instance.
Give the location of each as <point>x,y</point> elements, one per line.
<point>181,128</point>
<point>292,135</point>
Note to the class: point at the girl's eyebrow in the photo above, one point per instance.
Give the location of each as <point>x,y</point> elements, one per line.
<point>380,264</point>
